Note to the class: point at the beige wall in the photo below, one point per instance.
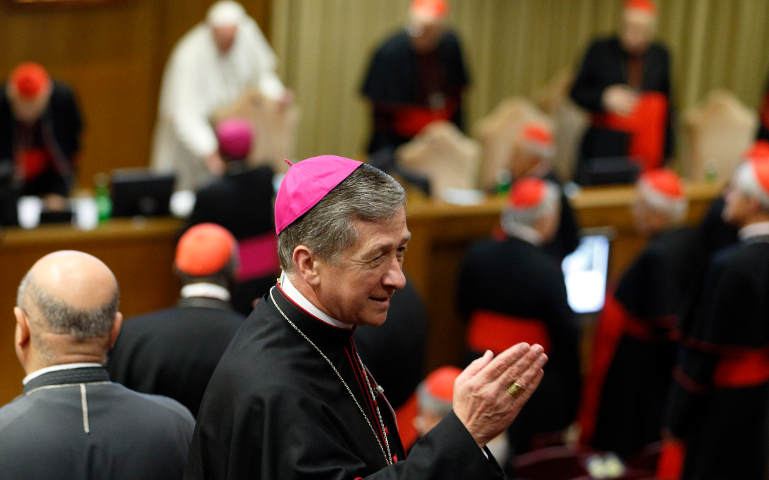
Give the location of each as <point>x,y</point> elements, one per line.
<point>512,47</point>
<point>112,53</point>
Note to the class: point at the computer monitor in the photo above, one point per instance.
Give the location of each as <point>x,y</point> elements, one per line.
<point>140,192</point>
<point>585,272</point>
<point>610,171</point>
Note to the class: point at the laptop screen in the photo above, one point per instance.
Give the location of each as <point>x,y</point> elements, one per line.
<point>585,271</point>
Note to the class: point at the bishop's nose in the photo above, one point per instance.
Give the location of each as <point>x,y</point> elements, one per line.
<point>394,277</point>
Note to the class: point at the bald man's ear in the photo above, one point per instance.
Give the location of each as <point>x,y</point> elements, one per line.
<point>113,334</point>
<point>21,335</point>
<point>306,265</point>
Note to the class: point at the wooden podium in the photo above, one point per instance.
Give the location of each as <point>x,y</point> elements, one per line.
<point>140,253</point>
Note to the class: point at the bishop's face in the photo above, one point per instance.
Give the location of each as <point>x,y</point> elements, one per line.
<point>224,37</point>
<point>426,33</point>
<point>357,285</point>
<point>637,31</point>
<point>646,219</point>
<point>27,111</point>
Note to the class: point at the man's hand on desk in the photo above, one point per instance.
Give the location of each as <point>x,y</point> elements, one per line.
<point>54,203</point>
<point>619,99</point>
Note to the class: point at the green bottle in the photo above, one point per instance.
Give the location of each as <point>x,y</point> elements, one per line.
<point>504,182</point>
<point>102,197</point>
<point>711,172</point>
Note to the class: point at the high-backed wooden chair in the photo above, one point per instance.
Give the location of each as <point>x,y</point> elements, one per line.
<point>275,126</point>
<point>717,132</point>
<point>498,131</point>
<point>569,121</point>
<point>444,155</point>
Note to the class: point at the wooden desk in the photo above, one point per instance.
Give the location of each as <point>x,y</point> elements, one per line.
<point>140,253</point>
<point>441,233</point>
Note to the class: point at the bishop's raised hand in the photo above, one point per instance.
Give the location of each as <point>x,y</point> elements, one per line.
<point>482,399</point>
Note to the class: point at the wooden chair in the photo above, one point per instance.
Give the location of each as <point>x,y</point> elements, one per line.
<point>275,127</point>
<point>498,132</point>
<point>444,155</point>
<point>569,121</point>
<point>717,132</point>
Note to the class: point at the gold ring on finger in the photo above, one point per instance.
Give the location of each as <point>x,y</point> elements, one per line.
<point>515,389</point>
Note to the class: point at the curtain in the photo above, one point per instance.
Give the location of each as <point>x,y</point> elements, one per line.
<point>512,47</point>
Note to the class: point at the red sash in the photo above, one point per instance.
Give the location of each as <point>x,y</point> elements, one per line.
<point>646,126</point>
<point>405,416</point>
<point>671,462</point>
<point>498,332</point>
<point>410,120</point>
<point>637,328</point>
<point>644,330</point>
<point>608,331</point>
<point>734,370</point>
<point>31,162</point>
<point>744,369</point>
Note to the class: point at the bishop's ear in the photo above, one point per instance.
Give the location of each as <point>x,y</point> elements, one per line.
<point>21,335</point>
<point>306,265</point>
<point>115,330</point>
<point>22,324</point>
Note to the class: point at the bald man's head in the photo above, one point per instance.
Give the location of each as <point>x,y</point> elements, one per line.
<point>70,293</point>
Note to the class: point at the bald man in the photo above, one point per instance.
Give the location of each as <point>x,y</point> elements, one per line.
<point>71,418</point>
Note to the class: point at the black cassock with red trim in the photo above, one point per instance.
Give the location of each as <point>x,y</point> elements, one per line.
<point>606,63</point>
<point>409,90</point>
<point>275,409</point>
<point>719,397</point>
<point>511,291</point>
<point>634,349</point>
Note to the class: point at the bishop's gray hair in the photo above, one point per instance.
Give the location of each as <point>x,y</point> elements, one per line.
<point>61,318</point>
<point>426,401</point>
<point>746,182</point>
<point>511,217</point>
<point>367,194</point>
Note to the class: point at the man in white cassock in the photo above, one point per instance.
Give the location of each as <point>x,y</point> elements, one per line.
<point>210,67</point>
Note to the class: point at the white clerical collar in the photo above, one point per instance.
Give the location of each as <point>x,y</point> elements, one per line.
<point>759,229</point>
<point>56,368</point>
<point>291,292</point>
<point>523,232</point>
<point>208,290</point>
